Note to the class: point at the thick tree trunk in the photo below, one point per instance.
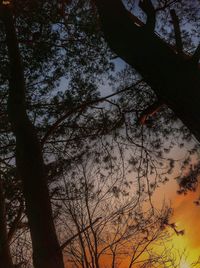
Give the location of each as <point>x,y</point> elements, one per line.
<point>29,160</point>
<point>174,79</point>
<point>5,256</point>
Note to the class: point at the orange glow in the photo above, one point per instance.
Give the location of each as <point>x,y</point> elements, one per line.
<point>186,217</point>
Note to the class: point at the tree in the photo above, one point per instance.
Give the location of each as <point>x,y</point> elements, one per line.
<point>106,219</point>
<point>29,160</point>
<point>5,255</point>
<point>173,75</point>
<point>53,126</point>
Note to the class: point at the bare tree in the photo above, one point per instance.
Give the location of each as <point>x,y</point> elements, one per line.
<point>107,222</point>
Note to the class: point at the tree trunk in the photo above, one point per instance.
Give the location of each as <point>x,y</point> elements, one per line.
<point>174,78</point>
<point>5,256</point>
<point>29,160</point>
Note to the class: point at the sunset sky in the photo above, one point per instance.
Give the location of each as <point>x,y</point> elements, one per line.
<point>186,215</point>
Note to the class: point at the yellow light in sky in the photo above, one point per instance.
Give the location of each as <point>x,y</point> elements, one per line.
<point>184,264</point>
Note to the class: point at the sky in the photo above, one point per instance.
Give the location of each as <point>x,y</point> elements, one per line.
<point>186,216</point>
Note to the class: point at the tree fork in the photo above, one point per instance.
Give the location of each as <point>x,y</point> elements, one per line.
<point>29,160</point>
<point>174,78</point>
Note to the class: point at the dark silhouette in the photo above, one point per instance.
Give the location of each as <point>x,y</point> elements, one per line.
<point>5,256</point>
<point>174,77</point>
<point>29,160</point>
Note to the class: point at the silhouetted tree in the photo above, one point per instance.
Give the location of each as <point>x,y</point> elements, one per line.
<point>5,255</point>
<point>29,160</point>
<point>57,67</point>
<point>173,75</point>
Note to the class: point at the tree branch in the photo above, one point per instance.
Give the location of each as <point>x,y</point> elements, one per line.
<point>148,8</point>
<point>168,74</point>
<point>177,31</point>
<point>150,111</point>
<point>196,56</point>
<point>83,106</point>
<point>66,243</point>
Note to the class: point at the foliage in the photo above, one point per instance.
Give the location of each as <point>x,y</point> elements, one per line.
<point>68,71</point>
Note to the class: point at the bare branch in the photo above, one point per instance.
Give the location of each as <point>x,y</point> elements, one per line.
<point>166,5</point>
<point>135,19</point>
<point>79,108</point>
<point>148,8</point>
<point>177,31</point>
<point>196,56</point>
<point>66,243</point>
<point>150,111</point>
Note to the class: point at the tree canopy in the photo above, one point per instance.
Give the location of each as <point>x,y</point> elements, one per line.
<point>87,138</point>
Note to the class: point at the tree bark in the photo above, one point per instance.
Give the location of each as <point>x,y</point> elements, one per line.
<point>29,159</point>
<point>5,256</point>
<point>174,78</point>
